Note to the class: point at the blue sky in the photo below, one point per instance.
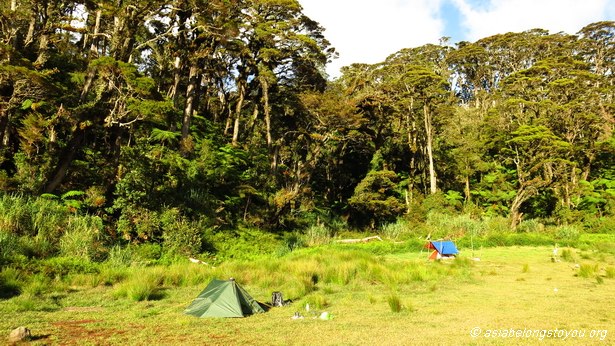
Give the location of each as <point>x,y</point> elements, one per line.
<point>367,31</point>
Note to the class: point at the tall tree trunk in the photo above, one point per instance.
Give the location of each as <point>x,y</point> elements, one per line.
<point>173,92</point>
<point>4,122</point>
<point>93,55</point>
<point>523,194</point>
<point>95,33</point>
<point>30,35</point>
<point>412,145</point>
<point>66,158</point>
<point>43,42</point>
<point>191,99</point>
<point>267,110</point>
<point>467,189</point>
<point>241,91</point>
<point>429,130</point>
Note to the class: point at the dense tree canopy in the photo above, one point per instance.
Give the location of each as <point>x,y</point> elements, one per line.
<point>219,113</point>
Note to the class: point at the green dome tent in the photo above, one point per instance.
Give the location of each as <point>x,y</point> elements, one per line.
<point>223,299</point>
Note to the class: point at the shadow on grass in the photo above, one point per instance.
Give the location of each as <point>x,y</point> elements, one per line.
<point>158,294</point>
<point>9,291</point>
<point>39,337</point>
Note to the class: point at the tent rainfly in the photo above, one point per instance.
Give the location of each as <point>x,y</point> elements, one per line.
<point>223,299</point>
<point>442,249</point>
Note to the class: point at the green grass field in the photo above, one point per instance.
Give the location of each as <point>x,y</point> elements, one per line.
<point>399,299</point>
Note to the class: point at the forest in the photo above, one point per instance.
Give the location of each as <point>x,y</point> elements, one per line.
<point>175,122</point>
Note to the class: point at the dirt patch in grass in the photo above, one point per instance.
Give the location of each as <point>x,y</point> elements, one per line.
<point>82,308</point>
<point>79,331</point>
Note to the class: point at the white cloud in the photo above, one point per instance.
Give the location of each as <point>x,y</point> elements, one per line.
<point>367,31</point>
<point>502,16</point>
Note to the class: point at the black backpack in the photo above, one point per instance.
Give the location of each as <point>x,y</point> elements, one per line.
<point>277,299</point>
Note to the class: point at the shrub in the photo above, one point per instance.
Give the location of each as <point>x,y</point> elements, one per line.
<point>437,202</point>
<point>496,239</point>
<point>38,247</point>
<point>528,239</point>
<point>81,239</point>
<point>245,243</point>
<point>119,256</point>
<point>139,224</point>
<point>15,215</point>
<point>530,226</point>
<point>9,246</point>
<point>290,242</point>
<point>567,233</point>
<point>602,225</point>
<point>147,252</point>
<point>376,199</point>
<point>497,224</point>
<point>180,236</point>
<point>444,225</point>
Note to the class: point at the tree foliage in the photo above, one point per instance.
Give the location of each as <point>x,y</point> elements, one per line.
<point>174,116</point>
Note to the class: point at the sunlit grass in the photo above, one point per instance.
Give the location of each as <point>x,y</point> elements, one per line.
<point>396,293</point>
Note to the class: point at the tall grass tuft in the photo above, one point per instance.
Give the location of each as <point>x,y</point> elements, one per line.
<point>140,288</point>
<point>395,230</point>
<point>610,272</point>
<point>316,301</point>
<point>15,215</point>
<point>394,303</point>
<point>318,235</point>
<point>110,275</point>
<point>9,246</point>
<point>290,242</point>
<point>588,270</point>
<point>568,255</point>
<point>444,225</point>
<point>531,226</point>
<point>567,233</point>
<point>49,218</point>
<point>342,274</point>
<point>419,274</point>
<point>37,286</point>
<point>81,239</point>
<point>10,283</point>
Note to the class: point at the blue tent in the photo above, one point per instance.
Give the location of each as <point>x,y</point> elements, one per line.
<point>442,248</point>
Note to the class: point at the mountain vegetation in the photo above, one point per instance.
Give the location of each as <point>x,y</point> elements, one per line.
<point>186,124</point>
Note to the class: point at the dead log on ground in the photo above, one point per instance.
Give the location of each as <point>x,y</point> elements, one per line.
<point>360,240</point>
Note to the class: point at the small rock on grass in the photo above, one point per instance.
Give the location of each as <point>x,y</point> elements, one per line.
<point>19,334</point>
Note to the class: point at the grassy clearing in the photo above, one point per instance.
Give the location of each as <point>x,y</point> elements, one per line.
<point>398,299</point>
